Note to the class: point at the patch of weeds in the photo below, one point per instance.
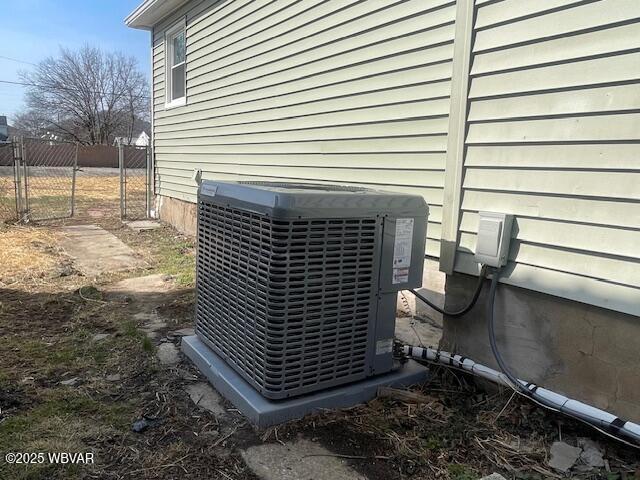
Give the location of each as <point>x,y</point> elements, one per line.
<point>129,328</point>
<point>64,421</point>
<point>45,356</point>
<point>432,443</point>
<point>461,472</point>
<point>147,345</point>
<point>176,257</point>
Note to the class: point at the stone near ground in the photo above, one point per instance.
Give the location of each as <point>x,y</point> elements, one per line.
<point>98,337</point>
<point>184,332</point>
<point>414,332</point>
<point>142,225</point>
<point>298,460</point>
<point>96,251</point>
<point>70,382</point>
<point>114,378</point>
<point>563,456</point>
<point>167,354</point>
<point>493,476</point>
<point>591,455</point>
<point>204,396</point>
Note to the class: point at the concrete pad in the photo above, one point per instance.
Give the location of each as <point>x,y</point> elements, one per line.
<point>96,251</point>
<point>167,353</point>
<point>143,225</point>
<point>206,397</point>
<point>295,461</point>
<point>263,412</point>
<point>414,331</point>
<point>157,283</point>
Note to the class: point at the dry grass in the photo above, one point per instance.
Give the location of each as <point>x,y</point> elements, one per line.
<point>99,187</point>
<point>96,196</point>
<point>27,252</point>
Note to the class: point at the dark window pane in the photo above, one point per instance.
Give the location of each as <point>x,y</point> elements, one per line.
<point>178,48</point>
<point>177,82</point>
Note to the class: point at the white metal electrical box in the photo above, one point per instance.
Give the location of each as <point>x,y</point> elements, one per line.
<point>494,237</point>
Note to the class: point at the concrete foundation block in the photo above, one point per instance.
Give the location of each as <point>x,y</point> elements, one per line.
<point>264,413</point>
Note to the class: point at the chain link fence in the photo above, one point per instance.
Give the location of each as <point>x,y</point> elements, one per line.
<point>47,180</point>
<point>8,207</point>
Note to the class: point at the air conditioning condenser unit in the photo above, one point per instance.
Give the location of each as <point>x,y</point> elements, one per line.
<point>297,291</point>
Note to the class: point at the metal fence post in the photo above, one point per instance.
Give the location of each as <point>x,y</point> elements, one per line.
<point>17,177</point>
<point>73,182</point>
<point>25,156</point>
<point>122,180</point>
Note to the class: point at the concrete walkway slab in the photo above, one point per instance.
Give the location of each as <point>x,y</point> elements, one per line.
<point>143,225</point>
<point>156,283</point>
<point>295,461</point>
<point>96,251</point>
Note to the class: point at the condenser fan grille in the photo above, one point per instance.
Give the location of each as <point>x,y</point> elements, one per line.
<point>286,302</point>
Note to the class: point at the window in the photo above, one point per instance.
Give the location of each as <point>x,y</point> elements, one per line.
<point>176,66</point>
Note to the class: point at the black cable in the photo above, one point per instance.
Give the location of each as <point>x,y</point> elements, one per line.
<point>469,306</point>
<point>492,335</point>
<point>524,389</point>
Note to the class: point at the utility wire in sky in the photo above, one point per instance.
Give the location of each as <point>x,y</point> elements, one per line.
<point>19,61</point>
<point>69,89</point>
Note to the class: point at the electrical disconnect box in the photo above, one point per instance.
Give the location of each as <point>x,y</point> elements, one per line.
<point>494,236</point>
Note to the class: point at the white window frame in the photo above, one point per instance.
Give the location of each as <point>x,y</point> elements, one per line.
<point>168,58</point>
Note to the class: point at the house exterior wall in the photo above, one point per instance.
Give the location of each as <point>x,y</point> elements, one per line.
<point>340,91</point>
<point>549,132</point>
<point>551,136</point>
<point>533,111</point>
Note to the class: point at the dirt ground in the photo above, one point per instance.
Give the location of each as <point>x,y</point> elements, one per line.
<point>77,370</point>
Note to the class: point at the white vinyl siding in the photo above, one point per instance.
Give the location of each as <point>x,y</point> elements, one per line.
<point>312,91</point>
<point>553,137</point>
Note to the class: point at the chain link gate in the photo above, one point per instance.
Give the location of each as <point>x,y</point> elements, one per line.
<point>49,181</point>
<point>135,177</point>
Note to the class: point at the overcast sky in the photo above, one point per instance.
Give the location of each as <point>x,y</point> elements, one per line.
<point>32,30</point>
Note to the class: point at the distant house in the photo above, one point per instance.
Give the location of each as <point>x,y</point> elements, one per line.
<point>141,141</point>
<point>523,108</point>
<point>51,137</point>
<point>4,129</point>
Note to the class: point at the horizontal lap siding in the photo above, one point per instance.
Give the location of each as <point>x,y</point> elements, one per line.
<point>346,91</point>
<point>553,136</point>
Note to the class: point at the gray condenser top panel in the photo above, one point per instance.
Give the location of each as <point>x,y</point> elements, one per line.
<point>296,283</point>
<point>290,200</point>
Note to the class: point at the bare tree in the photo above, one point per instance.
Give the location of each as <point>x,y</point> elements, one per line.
<point>89,96</point>
<point>30,123</point>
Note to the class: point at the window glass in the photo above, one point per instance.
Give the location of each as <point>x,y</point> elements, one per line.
<point>177,82</point>
<point>178,48</point>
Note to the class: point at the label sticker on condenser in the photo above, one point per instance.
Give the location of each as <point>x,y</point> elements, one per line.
<point>384,346</point>
<point>402,250</point>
